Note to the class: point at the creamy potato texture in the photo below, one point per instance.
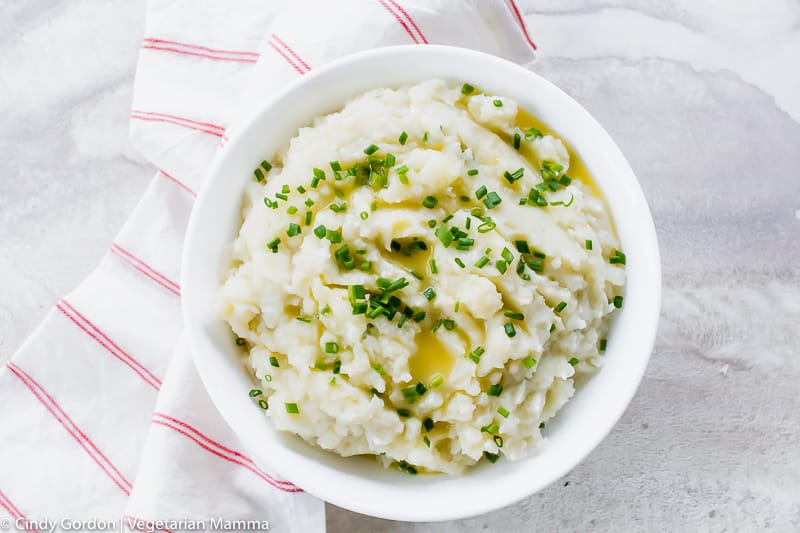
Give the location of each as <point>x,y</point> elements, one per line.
<point>419,278</point>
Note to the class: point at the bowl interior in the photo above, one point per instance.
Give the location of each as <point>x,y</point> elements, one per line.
<point>360,484</point>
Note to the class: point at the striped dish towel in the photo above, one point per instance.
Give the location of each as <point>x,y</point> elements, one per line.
<point>104,415</point>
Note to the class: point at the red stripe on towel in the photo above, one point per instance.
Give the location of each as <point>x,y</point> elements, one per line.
<point>411,20</point>
<point>177,181</point>
<point>219,450</point>
<point>521,22</point>
<point>94,332</point>
<point>292,52</point>
<point>399,20</point>
<point>75,432</point>
<point>146,269</point>
<point>199,51</point>
<point>15,513</point>
<point>204,127</point>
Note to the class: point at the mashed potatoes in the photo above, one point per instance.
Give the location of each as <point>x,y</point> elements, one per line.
<point>420,279</point>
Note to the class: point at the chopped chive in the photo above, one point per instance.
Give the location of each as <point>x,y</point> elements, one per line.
<point>379,369</point>
<point>498,441</point>
<point>436,381</point>
<point>421,388</point>
<point>263,404</point>
<point>502,411</point>
<point>467,89</point>
<point>294,229</point>
<point>309,202</point>
<point>482,262</point>
<point>273,244</point>
<point>517,140</point>
<point>259,174</point>
<point>491,428</point>
<point>459,262</point>
<point>507,255</point>
<point>432,265</point>
<point>541,425</point>
<point>540,255</point>
<point>429,294</point>
<point>468,221</point>
<point>366,266</point>
<point>536,265</point>
<point>552,327</point>
<point>291,210</point>
<point>486,227</point>
<point>449,324</point>
<point>427,441</point>
<point>511,331</point>
<point>617,301</point>
<point>491,457</point>
<point>464,243</point>
<point>498,103</point>
<point>403,179</point>
<point>320,231</point>
<point>331,347</point>
<point>588,244</point>
<point>448,218</point>
<point>501,266</point>
<point>529,362</point>
<point>319,173</point>
<point>495,390</point>
<point>364,215</point>
<point>325,310</point>
<point>308,218</point>
<point>285,189</point>
<point>515,315</point>
<point>532,133</point>
<point>603,343</point>
<point>430,202</point>
<point>560,307</point>
<point>371,149</point>
<point>472,172</point>
<point>359,308</point>
<point>427,424</point>
<point>292,409</point>
<point>405,413</point>
<point>522,247</point>
<point>303,319</point>
<point>480,192</point>
<point>274,361</point>
<point>281,196</point>
<point>617,258</point>
<point>301,189</point>
<point>476,354</point>
<point>425,137</point>
<point>574,361</point>
<point>255,392</point>
<point>417,274</point>
<point>419,316</point>
<point>444,235</point>
<point>492,199</point>
<point>266,165</point>
<point>389,161</point>
<point>410,393</point>
<point>335,236</point>
<point>403,138</point>
<point>335,166</point>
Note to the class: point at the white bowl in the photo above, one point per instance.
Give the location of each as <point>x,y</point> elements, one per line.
<point>359,484</point>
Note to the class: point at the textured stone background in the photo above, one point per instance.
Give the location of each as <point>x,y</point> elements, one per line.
<point>704,98</point>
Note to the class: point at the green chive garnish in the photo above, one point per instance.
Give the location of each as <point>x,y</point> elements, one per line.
<point>335,236</point>
<point>429,294</point>
<point>498,103</point>
<point>560,307</point>
<point>436,381</point>
<point>292,408</point>
<point>574,361</point>
<point>255,392</point>
<point>480,192</point>
<point>522,247</point>
<point>617,301</point>
<point>532,133</point>
<point>273,244</point>
<point>515,315</point>
<point>432,265</point>
<point>480,263</point>
<point>507,255</point>
<point>274,361</point>
<point>467,89</point>
<point>495,390</point>
<point>603,343</point>
<point>491,200</point>
<point>588,244</point>
<point>320,231</point>
<point>459,262</point>
<point>501,266</point>
<point>502,411</point>
<point>491,457</point>
<point>472,172</point>
<point>293,230</point>
<point>331,347</point>
<point>511,331</point>
<point>371,149</point>
<point>517,140</point>
<point>430,202</point>
<point>529,362</point>
<point>259,174</point>
<point>403,138</point>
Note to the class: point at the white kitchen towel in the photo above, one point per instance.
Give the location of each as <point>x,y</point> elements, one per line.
<point>104,415</point>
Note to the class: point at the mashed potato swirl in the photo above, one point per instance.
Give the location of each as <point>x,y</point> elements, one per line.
<point>418,279</point>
